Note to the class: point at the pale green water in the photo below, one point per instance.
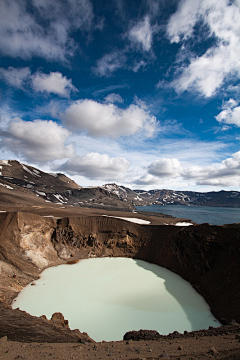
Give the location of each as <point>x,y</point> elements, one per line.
<point>106,297</point>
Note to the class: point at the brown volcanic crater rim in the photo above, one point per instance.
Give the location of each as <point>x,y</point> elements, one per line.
<point>207,256</point>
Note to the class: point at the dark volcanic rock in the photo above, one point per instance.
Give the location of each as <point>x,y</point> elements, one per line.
<point>142,335</point>
<point>20,326</point>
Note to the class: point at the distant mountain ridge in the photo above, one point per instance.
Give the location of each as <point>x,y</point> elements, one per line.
<point>58,188</point>
<point>173,197</point>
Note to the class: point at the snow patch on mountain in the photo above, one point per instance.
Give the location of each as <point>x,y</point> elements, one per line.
<point>7,186</point>
<point>35,172</point>
<point>41,193</point>
<point>59,198</point>
<point>5,162</point>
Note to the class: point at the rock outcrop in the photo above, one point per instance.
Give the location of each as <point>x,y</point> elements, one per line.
<point>142,335</point>
<point>20,326</point>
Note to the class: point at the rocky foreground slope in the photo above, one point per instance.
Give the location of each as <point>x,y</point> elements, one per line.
<point>207,256</point>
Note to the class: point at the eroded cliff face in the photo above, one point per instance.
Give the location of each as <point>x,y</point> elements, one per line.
<point>84,237</point>
<point>206,256</point>
<point>25,250</point>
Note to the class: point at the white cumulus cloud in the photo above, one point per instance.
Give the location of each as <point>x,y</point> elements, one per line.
<point>38,141</point>
<point>97,166</point>
<point>147,179</point>
<point>54,82</point>
<point>108,120</point>
<point>165,168</point>
<point>230,114</point>
<point>160,170</point>
<point>207,73</point>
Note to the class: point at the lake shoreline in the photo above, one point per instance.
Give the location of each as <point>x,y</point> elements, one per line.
<point>198,214</point>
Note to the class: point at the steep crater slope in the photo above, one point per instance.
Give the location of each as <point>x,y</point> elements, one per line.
<point>206,256</point>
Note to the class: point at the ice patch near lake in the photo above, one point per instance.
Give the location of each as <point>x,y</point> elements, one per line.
<point>183,224</point>
<point>134,220</point>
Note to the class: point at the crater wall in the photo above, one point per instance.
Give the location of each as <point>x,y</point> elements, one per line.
<point>206,256</point>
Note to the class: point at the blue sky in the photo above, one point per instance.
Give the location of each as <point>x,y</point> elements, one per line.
<point>145,94</point>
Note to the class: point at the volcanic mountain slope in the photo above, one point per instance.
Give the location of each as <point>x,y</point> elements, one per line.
<point>172,197</point>
<point>30,183</point>
<point>21,183</point>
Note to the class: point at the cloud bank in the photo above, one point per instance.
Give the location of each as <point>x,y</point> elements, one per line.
<point>97,166</point>
<point>225,174</point>
<point>38,141</point>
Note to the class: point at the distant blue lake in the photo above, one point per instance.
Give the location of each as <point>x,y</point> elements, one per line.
<point>198,214</point>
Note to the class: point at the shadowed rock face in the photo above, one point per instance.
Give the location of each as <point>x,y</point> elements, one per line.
<point>206,256</point>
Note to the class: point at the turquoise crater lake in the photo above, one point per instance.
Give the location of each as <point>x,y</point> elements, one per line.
<point>106,297</point>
